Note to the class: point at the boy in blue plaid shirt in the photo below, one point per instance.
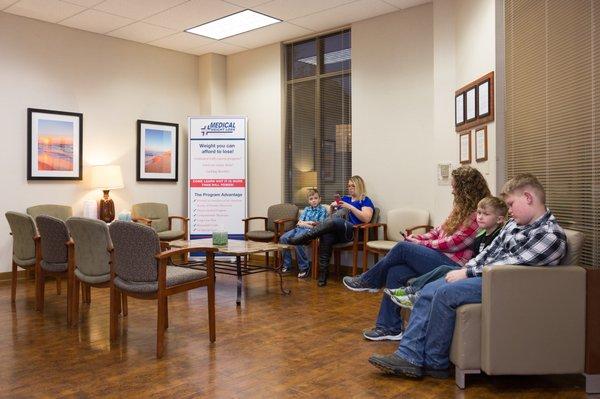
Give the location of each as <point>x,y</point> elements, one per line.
<point>532,237</point>
<point>310,217</point>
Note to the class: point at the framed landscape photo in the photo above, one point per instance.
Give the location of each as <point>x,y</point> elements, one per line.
<point>157,151</point>
<point>54,145</point>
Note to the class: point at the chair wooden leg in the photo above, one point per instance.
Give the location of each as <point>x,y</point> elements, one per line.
<point>58,285</point>
<point>160,327</point>
<point>13,287</point>
<point>266,259</point>
<point>211,312</point>
<point>124,301</point>
<point>166,312</point>
<point>88,293</point>
<point>75,303</point>
<point>114,316</point>
<point>69,300</point>
<point>336,258</point>
<point>315,259</point>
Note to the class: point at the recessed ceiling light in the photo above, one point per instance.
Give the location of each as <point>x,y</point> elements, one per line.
<point>234,24</point>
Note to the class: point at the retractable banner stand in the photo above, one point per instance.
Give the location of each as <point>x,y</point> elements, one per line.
<point>218,196</point>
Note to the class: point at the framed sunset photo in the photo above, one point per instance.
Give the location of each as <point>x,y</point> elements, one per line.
<point>157,154</point>
<point>54,145</point>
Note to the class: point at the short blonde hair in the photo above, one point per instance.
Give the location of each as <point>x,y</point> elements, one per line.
<point>360,190</point>
<point>521,181</point>
<point>495,203</point>
<point>312,191</point>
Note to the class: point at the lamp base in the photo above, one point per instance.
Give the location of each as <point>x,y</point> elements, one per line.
<point>107,208</point>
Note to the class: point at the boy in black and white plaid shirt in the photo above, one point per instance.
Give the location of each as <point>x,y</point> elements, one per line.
<point>531,237</point>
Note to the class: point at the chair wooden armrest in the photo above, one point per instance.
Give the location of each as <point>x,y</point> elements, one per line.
<point>184,223</point>
<point>427,227</point>
<point>280,226</point>
<point>145,221</point>
<point>247,222</point>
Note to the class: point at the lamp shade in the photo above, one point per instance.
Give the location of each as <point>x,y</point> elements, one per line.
<point>107,177</point>
<point>308,179</point>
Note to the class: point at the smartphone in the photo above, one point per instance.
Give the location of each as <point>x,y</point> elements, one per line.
<point>337,198</point>
<point>403,235</point>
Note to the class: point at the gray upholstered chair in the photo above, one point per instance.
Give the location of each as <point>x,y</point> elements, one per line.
<point>62,212</point>
<point>356,245</point>
<point>51,257</point>
<point>89,260</point>
<point>22,229</point>
<point>280,218</point>
<point>139,269</point>
<point>156,215</point>
<point>531,321</point>
<point>398,220</point>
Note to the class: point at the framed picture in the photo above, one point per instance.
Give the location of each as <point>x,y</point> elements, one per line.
<point>464,155</point>
<point>459,109</point>
<point>328,161</point>
<point>54,145</point>
<point>470,104</point>
<point>483,99</point>
<point>157,151</point>
<point>481,149</point>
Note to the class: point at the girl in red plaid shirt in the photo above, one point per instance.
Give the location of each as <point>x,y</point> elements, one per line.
<point>448,244</point>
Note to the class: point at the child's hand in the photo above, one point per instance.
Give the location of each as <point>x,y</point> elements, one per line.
<point>411,239</point>
<point>456,275</point>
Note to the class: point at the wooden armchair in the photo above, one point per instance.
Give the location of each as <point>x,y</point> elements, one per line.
<point>280,218</point>
<point>156,215</point>
<point>142,271</point>
<point>398,220</point>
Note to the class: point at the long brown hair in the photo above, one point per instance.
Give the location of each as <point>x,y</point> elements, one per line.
<point>470,187</point>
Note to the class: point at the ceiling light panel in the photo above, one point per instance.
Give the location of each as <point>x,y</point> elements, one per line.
<point>234,24</point>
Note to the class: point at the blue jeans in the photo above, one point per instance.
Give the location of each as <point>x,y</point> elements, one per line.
<point>404,261</point>
<point>437,273</point>
<point>426,341</point>
<point>300,249</point>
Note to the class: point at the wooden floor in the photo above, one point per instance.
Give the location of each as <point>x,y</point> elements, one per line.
<point>305,345</point>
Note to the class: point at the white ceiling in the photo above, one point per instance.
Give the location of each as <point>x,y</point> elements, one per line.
<point>162,22</point>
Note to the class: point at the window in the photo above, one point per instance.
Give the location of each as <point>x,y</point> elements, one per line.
<point>318,132</point>
<point>553,108</point>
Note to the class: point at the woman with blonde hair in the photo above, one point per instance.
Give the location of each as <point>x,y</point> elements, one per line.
<point>447,244</point>
<point>335,229</point>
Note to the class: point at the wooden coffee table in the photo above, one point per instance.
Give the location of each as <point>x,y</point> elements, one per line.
<point>239,249</point>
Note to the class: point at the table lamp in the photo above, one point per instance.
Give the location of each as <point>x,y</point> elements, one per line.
<point>106,178</point>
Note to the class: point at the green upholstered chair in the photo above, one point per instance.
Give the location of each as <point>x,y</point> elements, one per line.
<point>139,269</point>
<point>89,259</point>
<point>280,218</point>
<point>23,231</point>
<point>62,212</point>
<point>156,215</point>
<point>51,257</point>
<point>398,220</point>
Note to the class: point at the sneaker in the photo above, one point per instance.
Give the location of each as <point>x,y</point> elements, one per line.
<point>406,301</point>
<point>395,291</point>
<point>286,269</point>
<point>394,364</point>
<point>304,273</point>
<point>357,284</point>
<point>382,334</point>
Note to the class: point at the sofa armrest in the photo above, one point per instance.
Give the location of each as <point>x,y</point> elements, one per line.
<point>533,319</point>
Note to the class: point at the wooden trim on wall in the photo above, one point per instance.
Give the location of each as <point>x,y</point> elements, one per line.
<point>478,121</point>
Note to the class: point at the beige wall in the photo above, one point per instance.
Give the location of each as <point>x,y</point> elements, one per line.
<point>392,102</point>
<point>254,89</point>
<point>464,50</point>
<point>212,84</point>
<point>113,82</point>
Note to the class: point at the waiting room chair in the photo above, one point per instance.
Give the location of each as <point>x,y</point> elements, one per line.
<point>51,257</point>
<point>62,212</point>
<point>156,215</point>
<point>355,246</point>
<point>88,260</point>
<point>280,218</point>
<point>531,321</point>
<point>139,269</point>
<point>398,220</point>
<point>23,231</point>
